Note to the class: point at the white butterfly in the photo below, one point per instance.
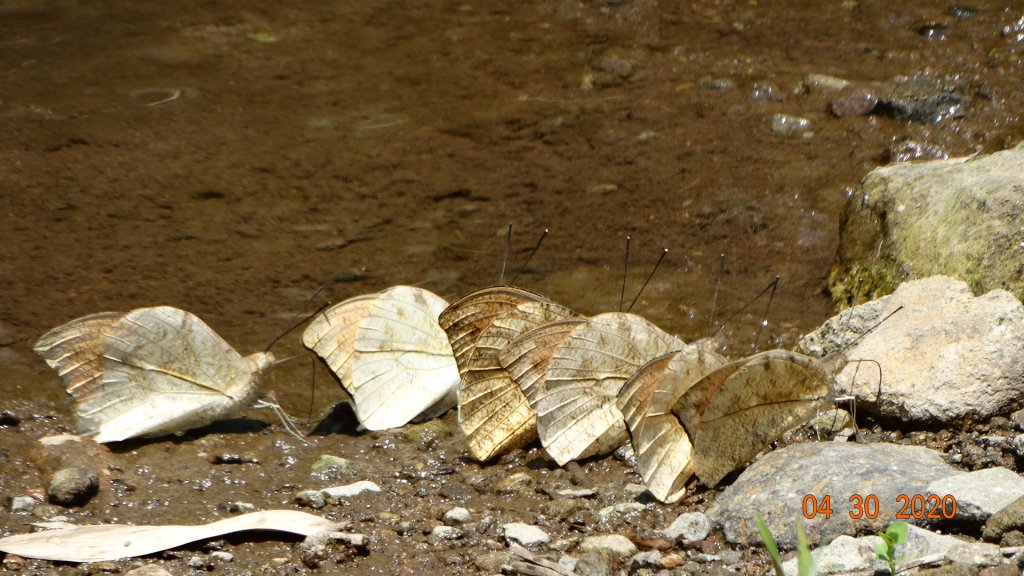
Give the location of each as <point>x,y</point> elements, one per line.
<point>150,372</point>
<point>390,355</point>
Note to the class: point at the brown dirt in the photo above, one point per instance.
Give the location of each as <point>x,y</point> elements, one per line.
<point>159,154</point>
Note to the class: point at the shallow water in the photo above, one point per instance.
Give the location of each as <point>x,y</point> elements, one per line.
<point>229,158</point>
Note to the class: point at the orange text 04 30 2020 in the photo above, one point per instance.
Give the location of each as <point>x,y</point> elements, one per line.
<point>867,506</point>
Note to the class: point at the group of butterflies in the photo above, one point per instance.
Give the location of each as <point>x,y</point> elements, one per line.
<point>517,366</point>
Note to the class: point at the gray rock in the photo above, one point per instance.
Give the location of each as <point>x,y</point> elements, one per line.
<point>1010,517</point>
<point>445,533</point>
<point>148,570</point>
<point>567,562</point>
<point>776,485</point>
<point>593,564</point>
<point>945,356</point>
<point>311,499</point>
<point>22,505</point>
<point>649,559</point>
<point>620,509</point>
<point>613,545</point>
<point>335,547</point>
<point>1018,445</point>
<point>520,482</point>
<point>855,102</point>
<point>579,492</point>
<point>328,467</point>
<point>923,99</point>
<point>825,83</point>
<point>691,526</point>
<point>525,534</point>
<point>350,490</point>
<point>981,493</point>
<point>222,556</point>
<point>458,515</point>
<point>490,562</point>
<point>844,554</point>
<point>73,486</point>
<point>789,125</point>
<point>958,217</point>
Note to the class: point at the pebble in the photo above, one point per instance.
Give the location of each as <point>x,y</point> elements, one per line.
<point>518,482</point>
<point>525,534</point>
<point>490,562</point>
<point>328,467</point>
<point>222,556</point>
<point>766,92</point>
<point>641,560</point>
<point>567,562</point>
<point>350,490</point>
<point>582,492</point>
<point>825,82</point>
<point>22,505</point>
<point>789,125</point>
<point>857,102</point>
<point>445,533</point>
<point>619,509</point>
<point>593,564</point>
<point>458,515</point>
<point>148,570</point>
<point>615,545</point>
<point>239,507</point>
<point>691,526</point>
<point>1018,444</point>
<point>73,486</point>
<point>311,499</point>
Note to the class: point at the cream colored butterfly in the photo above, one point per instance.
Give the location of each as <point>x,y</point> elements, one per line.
<point>389,354</point>
<point>494,415</point>
<point>150,372</point>
<point>571,372</point>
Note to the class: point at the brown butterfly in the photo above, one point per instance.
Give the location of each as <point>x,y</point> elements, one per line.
<point>691,413</point>
<point>494,415</point>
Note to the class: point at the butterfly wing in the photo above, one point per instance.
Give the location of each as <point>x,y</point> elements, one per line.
<point>332,335</point>
<point>152,371</point>
<point>663,449</point>
<point>737,411</point>
<point>494,415</point>
<point>403,364</point>
<point>576,409</point>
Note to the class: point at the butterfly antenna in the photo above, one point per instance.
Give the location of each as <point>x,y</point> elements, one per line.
<point>530,257</point>
<point>625,273</point>
<point>714,299</point>
<point>770,286</point>
<point>869,330</point>
<point>664,252</point>
<point>764,317</point>
<point>299,318</point>
<point>508,246</point>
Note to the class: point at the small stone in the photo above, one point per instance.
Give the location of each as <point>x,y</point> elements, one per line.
<point>445,533</point>
<point>199,563</point>
<point>148,570</point>
<point>458,515</point>
<point>615,545</point>
<point>620,509</point>
<point>222,556</point>
<point>789,125</point>
<point>490,562</point>
<point>518,482</point>
<point>350,490</point>
<point>825,83</point>
<point>593,564</point>
<point>576,493</point>
<point>1018,445</point>
<point>329,467</point>
<point>603,189</point>
<point>567,562</point>
<point>691,526</point>
<point>525,534</point>
<point>405,527</point>
<point>22,505</point>
<point>311,499</point>
<point>15,563</point>
<point>337,546</point>
<point>238,507</point>
<point>642,560</point>
<point>830,422</point>
<point>73,486</point>
<point>858,102</point>
<point>730,557</point>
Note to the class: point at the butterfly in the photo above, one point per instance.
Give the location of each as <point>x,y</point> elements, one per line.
<point>692,413</point>
<point>390,355</point>
<point>571,372</point>
<point>150,372</point>
<point>494,415</point>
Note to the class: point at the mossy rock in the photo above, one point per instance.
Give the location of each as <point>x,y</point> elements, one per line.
<point>959,218</point>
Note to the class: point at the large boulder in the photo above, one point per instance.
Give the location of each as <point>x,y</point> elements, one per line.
<point>958,217</point>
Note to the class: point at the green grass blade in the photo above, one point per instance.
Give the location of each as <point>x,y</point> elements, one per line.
<point>769,543</point>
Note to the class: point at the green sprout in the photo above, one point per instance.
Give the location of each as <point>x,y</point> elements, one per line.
<point>893,536</point>
<point>804,562</point>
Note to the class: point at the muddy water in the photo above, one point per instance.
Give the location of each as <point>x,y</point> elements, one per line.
<point>230,157</point>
